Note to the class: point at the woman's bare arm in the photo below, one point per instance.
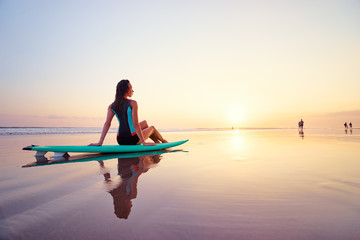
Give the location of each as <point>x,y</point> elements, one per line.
<point>107,124</point>
<point>137,127</point>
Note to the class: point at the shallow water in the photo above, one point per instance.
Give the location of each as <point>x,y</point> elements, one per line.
<point>245,184</point>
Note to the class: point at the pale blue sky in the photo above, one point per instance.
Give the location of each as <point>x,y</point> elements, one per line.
<point>191,63</point>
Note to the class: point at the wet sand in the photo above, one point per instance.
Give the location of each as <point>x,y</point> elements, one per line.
<point>247,184</point>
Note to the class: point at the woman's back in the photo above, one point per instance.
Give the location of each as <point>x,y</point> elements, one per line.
<point>123,112</point>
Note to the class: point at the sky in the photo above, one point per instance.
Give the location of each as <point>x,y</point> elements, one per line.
<point>192,64</point>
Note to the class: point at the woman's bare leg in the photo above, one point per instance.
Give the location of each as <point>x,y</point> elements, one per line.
<point>143,125</point>
<point>152,133</point>
<point>157,135</point>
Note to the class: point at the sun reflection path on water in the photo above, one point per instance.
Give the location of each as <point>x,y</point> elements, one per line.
<point>237,141</point>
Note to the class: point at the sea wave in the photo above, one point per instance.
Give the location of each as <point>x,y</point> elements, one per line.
<point>43,131</point>
<point>8,131</point>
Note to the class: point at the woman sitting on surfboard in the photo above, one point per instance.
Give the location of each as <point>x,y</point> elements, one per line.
<point>130,131</point>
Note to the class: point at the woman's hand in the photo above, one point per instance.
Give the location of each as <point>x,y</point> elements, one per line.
<point>149,144</point>
<point>95,144</point>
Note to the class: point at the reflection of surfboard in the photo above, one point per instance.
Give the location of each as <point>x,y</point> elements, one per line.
<point>60,151</point>
<point>42,161</point>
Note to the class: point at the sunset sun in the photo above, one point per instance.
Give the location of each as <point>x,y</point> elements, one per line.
<point>236,115</point>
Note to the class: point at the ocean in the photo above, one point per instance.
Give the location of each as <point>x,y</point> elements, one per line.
<point>270,184</point>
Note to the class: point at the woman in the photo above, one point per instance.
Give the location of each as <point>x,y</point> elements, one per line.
<point>130,131</point>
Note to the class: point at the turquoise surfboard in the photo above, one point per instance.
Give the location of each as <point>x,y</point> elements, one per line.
<point>62,150</point>
<point>43,161</point>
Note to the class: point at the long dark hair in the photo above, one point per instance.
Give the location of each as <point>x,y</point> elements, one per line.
<point>121,89</point>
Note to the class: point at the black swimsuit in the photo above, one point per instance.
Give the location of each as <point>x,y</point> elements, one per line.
<point>126,134</point>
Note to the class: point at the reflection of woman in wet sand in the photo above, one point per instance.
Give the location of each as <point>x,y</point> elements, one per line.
<point>129,170</point>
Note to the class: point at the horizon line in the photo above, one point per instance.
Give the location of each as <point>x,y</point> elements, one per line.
<point>196,128</point>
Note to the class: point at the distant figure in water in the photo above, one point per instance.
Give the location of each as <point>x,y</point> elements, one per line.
<point>301,133</point>
<point>301,128</point>
<point>131,131</point>
<point>301,125</point>
<point>345,125</point>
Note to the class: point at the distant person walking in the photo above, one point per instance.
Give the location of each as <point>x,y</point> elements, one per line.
<point>350,125</point>
<point>301,125</point>
<point>345,125</point>
<point>301,128</point>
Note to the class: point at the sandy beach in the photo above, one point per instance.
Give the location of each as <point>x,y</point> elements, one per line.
<point>237,79</point>
<point>240,184</point>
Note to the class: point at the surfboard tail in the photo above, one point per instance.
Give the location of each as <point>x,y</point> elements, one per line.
<point>30,147</point>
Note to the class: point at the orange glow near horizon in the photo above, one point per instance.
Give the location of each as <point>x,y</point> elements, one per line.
<point>241,64</point>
